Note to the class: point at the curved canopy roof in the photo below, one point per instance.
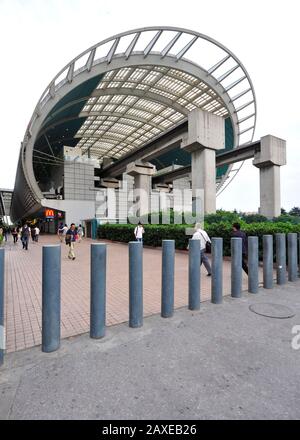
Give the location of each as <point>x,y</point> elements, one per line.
<point>127,90</point>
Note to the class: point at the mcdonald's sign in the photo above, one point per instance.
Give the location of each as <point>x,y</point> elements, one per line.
<point>49,213</point>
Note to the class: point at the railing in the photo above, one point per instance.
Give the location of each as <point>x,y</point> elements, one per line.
<point>51,280</point>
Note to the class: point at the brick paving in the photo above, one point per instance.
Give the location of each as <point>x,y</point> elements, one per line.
<point>23,282</point>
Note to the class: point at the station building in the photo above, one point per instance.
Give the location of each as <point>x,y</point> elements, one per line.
<point>149,111</point>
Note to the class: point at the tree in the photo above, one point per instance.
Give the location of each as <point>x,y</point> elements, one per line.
<point>295,211</point>
<point>283,211</point>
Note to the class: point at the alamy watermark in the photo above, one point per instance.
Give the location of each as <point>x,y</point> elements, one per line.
<point>296,338</point>
<point>138,205</point>
<point>2,337</point>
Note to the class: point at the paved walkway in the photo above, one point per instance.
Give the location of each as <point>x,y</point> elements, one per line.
<point>24,280</point>
<point>222,362</point>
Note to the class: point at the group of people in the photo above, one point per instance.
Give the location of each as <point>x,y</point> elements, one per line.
<point>70,235</point>
<point>23,233</point>
<point>204,240</point>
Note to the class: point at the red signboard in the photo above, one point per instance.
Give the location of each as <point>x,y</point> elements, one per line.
<point>49,213</point>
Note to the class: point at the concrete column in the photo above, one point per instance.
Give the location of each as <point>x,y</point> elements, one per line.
<point>142,172</point>
<point>110,182</point>
<point>271,157</point>
<point>204,177</point>
<point>206,135</point>
<point>162,187</point>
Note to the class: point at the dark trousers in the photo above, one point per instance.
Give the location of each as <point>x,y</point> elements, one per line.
<point>25,243</point>
<point>245,263</point>
<point>15,238</point>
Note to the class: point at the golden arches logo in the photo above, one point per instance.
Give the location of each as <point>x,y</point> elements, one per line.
<point>49,213</point>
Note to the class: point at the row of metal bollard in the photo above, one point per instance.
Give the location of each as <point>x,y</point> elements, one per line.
<point>51,280</point>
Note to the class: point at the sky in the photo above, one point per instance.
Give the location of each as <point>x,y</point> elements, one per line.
<point>39,37</point>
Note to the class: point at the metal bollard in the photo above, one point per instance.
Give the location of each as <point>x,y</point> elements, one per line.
<point>299,254</point>
<point>167,281</point>
<point>194,274</point>
<point>51,286</point>
<point>253,264</point>
<point>236,267</point>
<point>217,270</point>
<point>135,284</point>
<point>281,258</point>
<point>292,256</point>
<point>2,328</point>
<point>98,290</point>
<point>268,261</point>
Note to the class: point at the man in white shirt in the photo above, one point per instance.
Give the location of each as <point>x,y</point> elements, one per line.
<point>203,238</point>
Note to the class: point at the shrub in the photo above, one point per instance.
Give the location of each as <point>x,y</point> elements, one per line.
<point>222,216</point>
<point>287,218</point>
<point>156,233</point>
<point>153,236</point>
<point>254,218</point>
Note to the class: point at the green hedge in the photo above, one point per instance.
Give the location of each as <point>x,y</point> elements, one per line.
<point>154,234</point>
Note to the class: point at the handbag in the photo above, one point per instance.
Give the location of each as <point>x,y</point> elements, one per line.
<point>207,245</point>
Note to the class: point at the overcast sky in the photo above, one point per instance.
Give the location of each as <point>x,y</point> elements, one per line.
<point>39,37</point>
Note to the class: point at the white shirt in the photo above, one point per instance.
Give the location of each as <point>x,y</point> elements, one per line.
<point>201,235</point>
<point>37,231</point>
<point>138,232</point>
<point>64,230</point>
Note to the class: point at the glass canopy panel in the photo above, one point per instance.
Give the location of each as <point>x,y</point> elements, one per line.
<point>133,105</point>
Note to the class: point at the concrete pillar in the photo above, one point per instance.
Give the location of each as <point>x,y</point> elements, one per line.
<point>110,182</point>
<point>271,157</point>
<point>162,187</point>
<point>142,172</point>
<point>206,135</point>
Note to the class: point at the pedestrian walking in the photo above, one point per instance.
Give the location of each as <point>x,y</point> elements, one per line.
<point>19,230</point>
<point>80,233</point>
<point>14,233</point>
<point>25,234</point>
<point>60,232</point>
<point>37,233</point>
<point>204,240</point>
<point>33,234</point>
<point>70,241</point>
<point>236,232</point>
<point>139,232</point>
